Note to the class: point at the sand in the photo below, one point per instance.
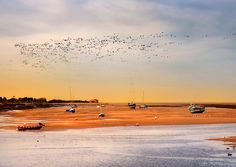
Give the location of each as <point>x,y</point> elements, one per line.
<point>86,116</point>
<point>231,141</point>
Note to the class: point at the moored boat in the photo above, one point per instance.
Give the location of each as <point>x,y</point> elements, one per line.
<point>132,105</point>
<point>194,109</point>
<point>101,115</point>
<point>143,106</point>
<point>30,126</point>
<point>71,110</point>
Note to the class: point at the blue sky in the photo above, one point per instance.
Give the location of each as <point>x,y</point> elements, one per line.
<point>202,68</point>
<point>211,16</point>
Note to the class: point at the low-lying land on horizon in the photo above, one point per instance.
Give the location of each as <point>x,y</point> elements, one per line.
<point>86,116</point>
<point>57,103</point>
<point>22,103</point>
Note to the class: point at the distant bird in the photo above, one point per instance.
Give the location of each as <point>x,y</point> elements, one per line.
<point>108,47</point>
<point>229,154</point>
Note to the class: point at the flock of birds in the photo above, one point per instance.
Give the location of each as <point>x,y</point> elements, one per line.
<point>112,47</point>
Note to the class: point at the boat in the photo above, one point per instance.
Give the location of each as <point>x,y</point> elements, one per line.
<point>132,105</point>
<point>143,106</point>
<point>72,110</point>
<point>101,115</point>
<point>30,126</point>
<point>193,108</point>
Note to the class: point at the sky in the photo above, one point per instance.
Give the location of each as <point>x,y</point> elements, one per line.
<point>195,50</point>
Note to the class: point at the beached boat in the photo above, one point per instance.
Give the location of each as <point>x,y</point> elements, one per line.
<point>143,106</point>
<point>132,105</point>
<point>72,110</point>
<point>101,115</point>
<point>30,126</point>
<point>193,108</point>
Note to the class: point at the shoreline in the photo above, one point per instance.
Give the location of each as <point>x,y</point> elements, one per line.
<point>230,141</point>
<point>51,128</point>
<point>86,116</point>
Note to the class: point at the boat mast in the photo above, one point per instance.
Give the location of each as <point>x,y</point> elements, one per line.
<point>70,93</point>
<point>132,90</point>
<point>143,97</point>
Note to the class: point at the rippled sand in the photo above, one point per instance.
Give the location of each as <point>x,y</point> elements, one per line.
<point>86,116</point>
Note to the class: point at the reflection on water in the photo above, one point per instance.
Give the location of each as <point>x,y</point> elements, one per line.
<point>177,146</point>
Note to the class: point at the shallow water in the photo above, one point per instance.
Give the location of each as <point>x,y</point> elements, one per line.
<point>177,146</point>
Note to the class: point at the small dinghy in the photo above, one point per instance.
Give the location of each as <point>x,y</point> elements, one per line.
<point>143,106</point>
<point>30,126</point>
<point>101,115</point>
<point>71,110</point>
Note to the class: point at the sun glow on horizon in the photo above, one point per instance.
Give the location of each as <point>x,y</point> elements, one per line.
<point>116,50</point>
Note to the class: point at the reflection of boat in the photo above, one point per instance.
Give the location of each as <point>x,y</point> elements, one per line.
<point>30,126</point>
<point>193,108</point>
<point>132,105</point>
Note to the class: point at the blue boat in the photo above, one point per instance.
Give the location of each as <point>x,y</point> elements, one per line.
<point>72,110</point>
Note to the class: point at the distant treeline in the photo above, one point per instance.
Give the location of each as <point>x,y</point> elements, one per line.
<point>30,102</point>
<point>20,100</point>
<point>14,100</point>
<point>23,103</point>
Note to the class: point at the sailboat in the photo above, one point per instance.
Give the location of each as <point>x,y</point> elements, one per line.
<point>143,105</point>
<point>131,104</point>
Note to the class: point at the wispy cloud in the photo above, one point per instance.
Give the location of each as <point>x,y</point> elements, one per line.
<point>20,17</point>
<point>205,58</point>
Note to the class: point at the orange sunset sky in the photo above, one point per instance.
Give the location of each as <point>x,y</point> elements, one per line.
<point>173,51</point>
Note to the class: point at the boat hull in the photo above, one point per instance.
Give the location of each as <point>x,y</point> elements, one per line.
<point>29,127</point>
<point>196,110</point>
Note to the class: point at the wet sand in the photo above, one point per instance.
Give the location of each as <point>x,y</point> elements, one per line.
<point>86,116</point>
<point>162,146</point>
<point>231,141</point>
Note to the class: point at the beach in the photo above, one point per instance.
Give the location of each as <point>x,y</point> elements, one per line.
<point>86,116</point>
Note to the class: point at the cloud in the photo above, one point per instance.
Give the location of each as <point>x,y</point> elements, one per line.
<point>214,17</point>
<point>24,17</point>
<point>209,59</point>
<point>31,17</point>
